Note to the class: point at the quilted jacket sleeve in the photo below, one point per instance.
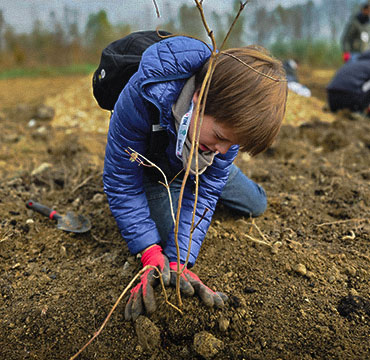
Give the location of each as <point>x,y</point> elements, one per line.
<point>211,183</point>
<point>123,180</point>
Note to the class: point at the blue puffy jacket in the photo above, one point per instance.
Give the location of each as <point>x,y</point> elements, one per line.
<point>162,73</point>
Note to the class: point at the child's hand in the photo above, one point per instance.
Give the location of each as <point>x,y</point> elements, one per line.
<point>142,295</point>
<point>190,284</point>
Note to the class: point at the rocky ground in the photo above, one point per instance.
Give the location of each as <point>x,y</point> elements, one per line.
<point>298,278</point>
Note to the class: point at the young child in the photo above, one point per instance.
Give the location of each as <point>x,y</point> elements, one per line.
<point>244,110</point>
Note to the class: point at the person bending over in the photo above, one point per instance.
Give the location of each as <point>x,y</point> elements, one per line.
<point>244,110</point>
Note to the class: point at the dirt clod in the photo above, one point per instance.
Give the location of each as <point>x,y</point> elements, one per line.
<point>206,345</point>
<point>44,112</point>
<point>148,334</point>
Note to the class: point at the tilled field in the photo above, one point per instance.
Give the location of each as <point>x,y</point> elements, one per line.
<point>298,290</point>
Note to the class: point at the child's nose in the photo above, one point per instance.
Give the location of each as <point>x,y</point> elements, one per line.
<point>223,148</point>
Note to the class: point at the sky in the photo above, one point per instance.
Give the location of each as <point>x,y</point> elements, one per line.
<point>21,14</point>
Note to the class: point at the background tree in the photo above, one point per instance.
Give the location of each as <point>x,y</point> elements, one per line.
<point>2,26</point>
<point>73,36</point>
<point>98,33</point>
<point>310,26</point>
<point>190,22</point>
<point>333,11</point>
<point>14,46</point>
<point>238,35</point>
<point>263,24</point>
<point>287,30</point>
<point>57,49</point>
<point>296,21</point>
<point>282,18</point>
<point>40,38</point>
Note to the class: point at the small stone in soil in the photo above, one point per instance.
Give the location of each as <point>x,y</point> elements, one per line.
<point>300,269</point>
<point>223,323</point>
<point>249,290</point>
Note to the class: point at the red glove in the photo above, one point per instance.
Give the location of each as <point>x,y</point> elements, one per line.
<point>190,283</point>
<point>143,293</point>
<point>346,56</point>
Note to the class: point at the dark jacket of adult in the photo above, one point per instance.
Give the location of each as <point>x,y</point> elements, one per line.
<point>153,90</point>
<point>355,37</point>
<point>350,86</point>
<point>352,75</point>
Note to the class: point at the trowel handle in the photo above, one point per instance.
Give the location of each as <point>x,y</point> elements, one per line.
<point>42,209</point>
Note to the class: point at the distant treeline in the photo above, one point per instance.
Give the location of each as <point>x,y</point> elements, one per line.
<point>307,32</point>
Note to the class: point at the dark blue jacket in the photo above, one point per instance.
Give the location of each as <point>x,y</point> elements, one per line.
<point>352,75</point>
<point>162,73</point>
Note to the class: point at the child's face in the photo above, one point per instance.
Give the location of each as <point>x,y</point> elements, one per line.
<point>213,136</point>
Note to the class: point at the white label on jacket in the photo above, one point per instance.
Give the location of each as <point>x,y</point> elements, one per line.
<point>183,131</point>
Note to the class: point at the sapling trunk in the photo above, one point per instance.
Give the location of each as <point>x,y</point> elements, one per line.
<point>195,140</point>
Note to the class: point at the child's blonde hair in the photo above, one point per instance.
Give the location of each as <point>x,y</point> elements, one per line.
<point>248,93</point>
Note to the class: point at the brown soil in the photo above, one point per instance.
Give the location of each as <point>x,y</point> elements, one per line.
<point>304,295</point>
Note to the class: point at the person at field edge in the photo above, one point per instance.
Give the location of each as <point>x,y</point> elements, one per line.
<point>355,38</point>
<point>290,67</point>
<point>244,111</point>
<point>350,86</point>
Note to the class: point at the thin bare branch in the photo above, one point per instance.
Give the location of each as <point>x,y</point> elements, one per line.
<point>350,237</point>
<point>194,146</point>
<point>198,128</point>
<point>165,180</point>
<point>135,157</point>
<point>257,241</point>
<point>7,235</point>
<point>185,35</point>
<point>209,31</point>
<point>241,8</point>
<point>252,68</point>
<point>342,222</point>
<point>187,171</point>
<point>195,141</point>
<point>259,231</point>
<point>176,176</point>
<point>201,218</point>
<point>83,183</point>
<point>156,9</point>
